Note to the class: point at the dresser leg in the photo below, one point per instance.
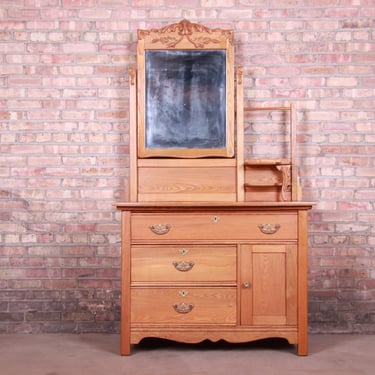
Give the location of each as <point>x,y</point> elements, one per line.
<point>125,348</point>
<point>302,349</point>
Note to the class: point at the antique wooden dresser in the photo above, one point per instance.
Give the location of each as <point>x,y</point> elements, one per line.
<point>214,245</point>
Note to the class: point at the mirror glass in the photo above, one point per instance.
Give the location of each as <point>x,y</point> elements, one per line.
<point>185,99</point>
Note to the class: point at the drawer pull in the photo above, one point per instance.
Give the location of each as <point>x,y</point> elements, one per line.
<point>160,228</point>
<point>269,228</point>
<point>246,284</point>
<point>183,308</point>
<point>183,266</point>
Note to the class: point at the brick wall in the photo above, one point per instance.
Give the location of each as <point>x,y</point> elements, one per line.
<point>64,146</point>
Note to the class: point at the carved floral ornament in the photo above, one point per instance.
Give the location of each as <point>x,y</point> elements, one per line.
<point>198,35</point>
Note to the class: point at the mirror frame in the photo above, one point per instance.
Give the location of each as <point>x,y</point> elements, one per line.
<point>181,36</point>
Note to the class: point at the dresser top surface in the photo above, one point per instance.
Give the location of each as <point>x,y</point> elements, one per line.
<point>216,206</point>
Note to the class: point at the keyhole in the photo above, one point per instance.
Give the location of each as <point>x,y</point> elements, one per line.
<point>184,251</point>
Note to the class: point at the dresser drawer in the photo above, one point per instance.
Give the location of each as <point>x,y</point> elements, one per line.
<point>183,305</point>
<point>183,263</point>
<point>214,226</point>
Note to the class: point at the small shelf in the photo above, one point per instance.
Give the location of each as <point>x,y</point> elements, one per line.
<point>248,185</point>
<point>264,176</point>
<point>266,162</point>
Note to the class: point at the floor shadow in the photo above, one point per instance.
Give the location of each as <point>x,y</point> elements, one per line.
<point>264,344</point>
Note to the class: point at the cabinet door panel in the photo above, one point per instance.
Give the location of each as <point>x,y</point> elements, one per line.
<point>271,296</point>
<point>269,303</point>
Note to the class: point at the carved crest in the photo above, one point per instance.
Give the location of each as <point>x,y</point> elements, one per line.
<point>197,35</point>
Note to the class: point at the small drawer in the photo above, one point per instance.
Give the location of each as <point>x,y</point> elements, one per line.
<point>183,305</point>
<point>183,263</point>
<point>214,226</point>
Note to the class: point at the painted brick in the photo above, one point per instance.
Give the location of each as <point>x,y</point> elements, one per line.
<point>182,3</point>
<point>342,81</point>
<point>95,13</point>
<point>217,3</point>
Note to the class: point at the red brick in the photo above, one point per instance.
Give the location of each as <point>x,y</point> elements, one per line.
<point>12,25</point>
<point>342,12</point>
<point>26,284</point>
<point>79,273</point>
<point>78,316</point>
<point>42,316</point>
<point>342,81</point>
<point>95,13</point>
<point>77,3</point>
<point>59,284</point>
<point>365,194</point>
<point>26,262</point>
<point>94,283</point>
<point>358,206</point>
<point>11,316</point>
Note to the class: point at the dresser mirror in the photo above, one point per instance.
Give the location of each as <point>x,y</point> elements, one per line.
<point>185,86</point>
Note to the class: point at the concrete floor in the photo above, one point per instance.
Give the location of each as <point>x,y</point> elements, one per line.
<point>97,354</point>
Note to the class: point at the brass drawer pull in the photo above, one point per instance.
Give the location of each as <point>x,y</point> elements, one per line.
<point>183,265</point>
<point>160,228</point>
<point>183,308</point>
<point>269,228</point>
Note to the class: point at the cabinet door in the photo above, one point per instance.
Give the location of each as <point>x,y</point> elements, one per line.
<point>268,284</point>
